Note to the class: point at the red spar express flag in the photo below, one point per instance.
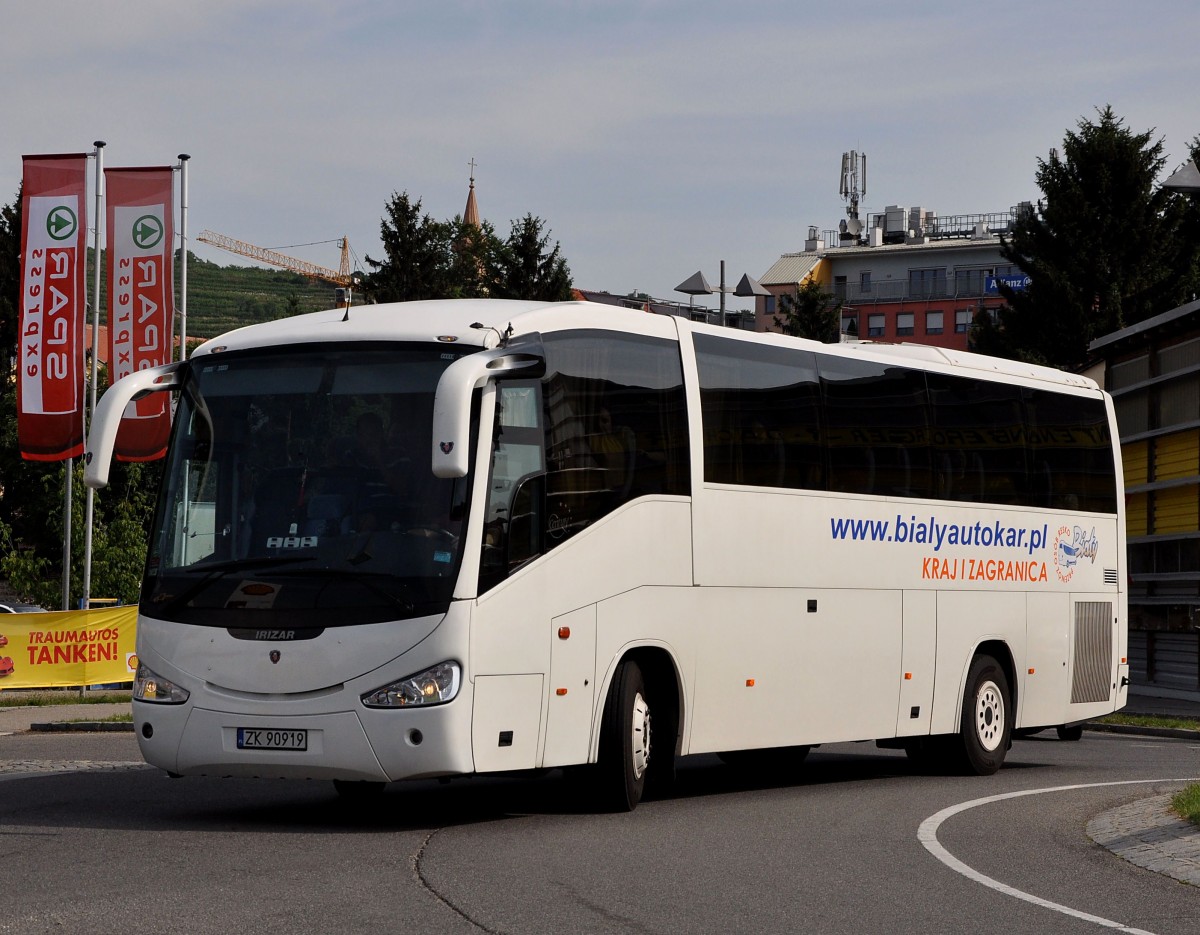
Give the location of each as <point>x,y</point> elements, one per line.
<point>141,294</point>
<point>53,253</point>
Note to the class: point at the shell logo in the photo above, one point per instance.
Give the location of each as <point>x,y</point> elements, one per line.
<point>131,662</point>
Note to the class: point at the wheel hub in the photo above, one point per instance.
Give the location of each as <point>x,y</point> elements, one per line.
<point>989,716</point>
<point>640,728</point>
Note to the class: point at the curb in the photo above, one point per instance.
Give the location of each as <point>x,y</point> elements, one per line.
<point>82,727</point>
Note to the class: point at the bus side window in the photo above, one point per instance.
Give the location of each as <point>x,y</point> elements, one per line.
<point>516,485</point>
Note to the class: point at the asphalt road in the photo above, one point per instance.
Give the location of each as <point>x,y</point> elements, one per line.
<point>835,848</point>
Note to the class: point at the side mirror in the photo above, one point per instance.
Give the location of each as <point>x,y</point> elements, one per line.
<point>452,404</point>
<point>102,434</point>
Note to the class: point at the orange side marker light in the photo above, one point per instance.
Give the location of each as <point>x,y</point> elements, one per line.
<point>564,633</point>
<point>749,683</point>
<point>560,692</point>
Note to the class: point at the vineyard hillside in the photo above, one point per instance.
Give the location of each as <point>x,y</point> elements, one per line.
<point>221,298</point>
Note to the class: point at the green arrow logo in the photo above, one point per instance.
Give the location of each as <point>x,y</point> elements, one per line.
<point>147,232</point>
<point>61,223</point>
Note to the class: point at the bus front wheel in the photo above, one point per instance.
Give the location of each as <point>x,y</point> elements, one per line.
<point>986,728</point>
<point>625,739</point>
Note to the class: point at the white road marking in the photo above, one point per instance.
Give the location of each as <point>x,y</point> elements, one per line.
<point>927,834</point>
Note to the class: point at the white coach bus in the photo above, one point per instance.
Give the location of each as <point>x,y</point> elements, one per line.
<point>448,538</point>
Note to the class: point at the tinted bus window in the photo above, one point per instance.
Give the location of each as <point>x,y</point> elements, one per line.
<point>1070,453</point>
<point>616,425</point>
<point>761,412</point>
<point>978,440</point>
<point>876,428</point>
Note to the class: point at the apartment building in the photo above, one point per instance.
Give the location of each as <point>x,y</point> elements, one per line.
<point>905,275</point>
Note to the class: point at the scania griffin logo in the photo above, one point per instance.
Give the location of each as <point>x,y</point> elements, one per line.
<point>275,655</point>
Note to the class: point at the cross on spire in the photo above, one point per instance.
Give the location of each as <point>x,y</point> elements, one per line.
<point>471,212</point>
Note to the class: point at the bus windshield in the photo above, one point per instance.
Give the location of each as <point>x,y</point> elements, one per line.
<point>298,491</point>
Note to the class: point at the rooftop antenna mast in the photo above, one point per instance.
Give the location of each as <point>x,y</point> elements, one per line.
<point>853,186</point>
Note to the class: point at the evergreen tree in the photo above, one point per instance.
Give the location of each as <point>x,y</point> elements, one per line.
<point>417,255</point>
<point>529,268</point>
<point>475,253</point>
<point>428,259</point>
<point>1104,249</point>
<point>811,313</point>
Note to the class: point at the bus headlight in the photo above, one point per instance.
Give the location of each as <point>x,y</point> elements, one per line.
<point>435,685</point>
<point>155,689</point>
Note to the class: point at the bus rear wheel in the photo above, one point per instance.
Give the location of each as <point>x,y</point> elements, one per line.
<point>986,727</point>
<point>625,740</point>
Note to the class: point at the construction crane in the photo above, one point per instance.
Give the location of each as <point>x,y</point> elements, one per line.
<point>339,277</point>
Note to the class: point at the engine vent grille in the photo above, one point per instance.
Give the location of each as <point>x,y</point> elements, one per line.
<point>1092,679</point>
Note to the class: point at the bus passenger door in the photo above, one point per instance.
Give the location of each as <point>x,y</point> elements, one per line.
<point>571,687</point>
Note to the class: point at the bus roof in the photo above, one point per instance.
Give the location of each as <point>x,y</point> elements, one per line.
<point>482,322</point>
<point>471,322</point>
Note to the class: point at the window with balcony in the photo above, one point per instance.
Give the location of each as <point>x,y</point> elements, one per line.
<point>927,283</point>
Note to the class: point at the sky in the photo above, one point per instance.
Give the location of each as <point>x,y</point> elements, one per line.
<point>654,138</point>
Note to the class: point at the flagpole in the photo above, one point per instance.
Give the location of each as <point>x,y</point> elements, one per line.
<point>183,209</point>
<point>69,471</point>
<point>91,494</point>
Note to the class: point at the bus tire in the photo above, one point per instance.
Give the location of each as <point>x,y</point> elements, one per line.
<point>986,727</point>
<point>1070,732</point>
<point>625,740</point>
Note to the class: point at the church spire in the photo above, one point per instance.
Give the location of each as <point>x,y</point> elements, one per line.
<point>471,212</point>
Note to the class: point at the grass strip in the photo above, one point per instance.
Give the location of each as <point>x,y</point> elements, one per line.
<point>37,699</point>
<point>1150,720</point>
<point>112,718</point>
<point>1186,804</point>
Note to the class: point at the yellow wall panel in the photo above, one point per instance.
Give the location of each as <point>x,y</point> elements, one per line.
<point>1176,510</point>
<point>1135,514</point>
<point>1177,455</point>
<point>1134,458</point>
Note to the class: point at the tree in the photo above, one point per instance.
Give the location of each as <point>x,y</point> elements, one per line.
<point>1104,249</point>
<point>417,255</point>
<point>475,252</point>
<point>10,281</point>
<point>529,268</point>
<point>811,313</point>
<point>428,259</point>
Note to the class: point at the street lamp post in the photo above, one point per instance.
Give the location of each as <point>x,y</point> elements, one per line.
<point>1184,179</point>
<point>696,284</point>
